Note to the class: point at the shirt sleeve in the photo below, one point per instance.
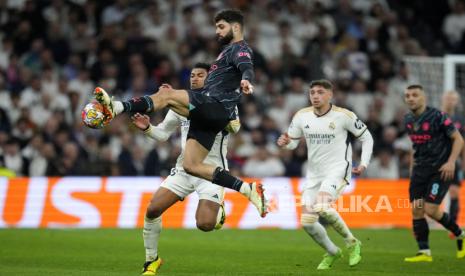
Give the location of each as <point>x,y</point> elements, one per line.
<point>446,124</point>
<point>163,130</point>
<point>354,125</point>
<point>294,132</point>
<point>242,59</point>
<point>367,148</point>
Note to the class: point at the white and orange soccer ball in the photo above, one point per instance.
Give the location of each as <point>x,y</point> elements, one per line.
<point>93,115</point>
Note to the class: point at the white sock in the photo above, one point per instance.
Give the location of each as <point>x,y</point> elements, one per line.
<point>426,251</point>
<point>118,107</point>
<point>336,221</point>
<point>245,189</point>
<point>151,233</point>
<point>320,236</point>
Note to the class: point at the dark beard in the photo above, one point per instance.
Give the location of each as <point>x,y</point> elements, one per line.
<point>226,39</point>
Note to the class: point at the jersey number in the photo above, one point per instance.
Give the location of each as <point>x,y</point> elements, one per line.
<point>435,189</point>
<point>173,171</point>
<point>359,124</point>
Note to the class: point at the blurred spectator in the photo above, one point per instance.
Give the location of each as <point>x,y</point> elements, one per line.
<point>296,97</point>
<point>454,24</point>
<point>263,164</point>
<point>53,54</point>
<point>5,124</point>
<point>12,159</point>
<point>384,165</point>
<point>359,99</point>
<point>69,162</point>
<point>279,113</point>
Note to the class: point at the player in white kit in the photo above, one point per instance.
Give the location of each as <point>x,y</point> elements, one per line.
<point>327,130</point>
<point>210,212</point>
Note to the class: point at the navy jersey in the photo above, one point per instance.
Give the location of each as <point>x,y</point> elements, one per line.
<point>430,134</point>
<point>224,77</point>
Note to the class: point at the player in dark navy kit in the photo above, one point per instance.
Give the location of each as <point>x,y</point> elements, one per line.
<point>450,100</point>
<point>436,146</point>
<point>210,111</point>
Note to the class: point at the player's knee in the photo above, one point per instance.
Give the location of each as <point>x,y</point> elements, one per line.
<point>153,211</point>
<point>418,210</point>
<point>431,210</point>
<point>308,220</point>
<point>161,97</point>
<point>205,225</point>
<point>322,209</point>
<point>190,167</point>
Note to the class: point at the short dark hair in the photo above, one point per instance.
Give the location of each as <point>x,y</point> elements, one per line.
<point>415,86</point>
<point>230,16</point>
<point>325,83</point>
<point>202,65</point>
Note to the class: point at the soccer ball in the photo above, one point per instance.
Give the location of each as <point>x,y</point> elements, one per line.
<point>93,115</point>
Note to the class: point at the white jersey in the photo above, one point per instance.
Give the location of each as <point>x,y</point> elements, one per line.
<point>327,137</point>
<point>217,154</point>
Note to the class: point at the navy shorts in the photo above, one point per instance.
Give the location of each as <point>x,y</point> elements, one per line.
<point>427,184</point>
<point>207,118</point>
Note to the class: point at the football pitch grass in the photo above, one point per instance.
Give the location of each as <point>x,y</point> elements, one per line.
<point>224,252</point>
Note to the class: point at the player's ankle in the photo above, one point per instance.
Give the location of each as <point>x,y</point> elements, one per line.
<point>425,251</point>
<point>118,107</point>
<point>350,240</point>
<point>245,189</point>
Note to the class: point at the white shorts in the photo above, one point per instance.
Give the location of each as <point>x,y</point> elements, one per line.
<point>183,184</point>
<point>333,185</point>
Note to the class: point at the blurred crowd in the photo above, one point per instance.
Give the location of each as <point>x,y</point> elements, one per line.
<point>53,54</point>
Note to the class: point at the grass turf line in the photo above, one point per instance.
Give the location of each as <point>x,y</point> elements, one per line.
<point>225,252</point>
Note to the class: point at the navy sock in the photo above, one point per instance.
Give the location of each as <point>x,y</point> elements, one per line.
<point>142,104</point>
<point>223,178</point>
<point>454,209</point>
<point>421,231</point>
<point>450,224</point>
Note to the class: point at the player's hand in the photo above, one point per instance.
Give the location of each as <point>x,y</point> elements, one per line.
<point>246,87</point>
<point>283,140</point>
<point>142,122</point>
<point>447,171</point>
<point>358,170</point>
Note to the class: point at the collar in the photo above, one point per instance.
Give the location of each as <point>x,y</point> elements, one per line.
<point>330,108</point>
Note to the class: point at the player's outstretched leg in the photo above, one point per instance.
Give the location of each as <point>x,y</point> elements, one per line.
<point>325,210</point>
<point>318,233</point>
<point>176,100</point>
<point>113,108</point>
